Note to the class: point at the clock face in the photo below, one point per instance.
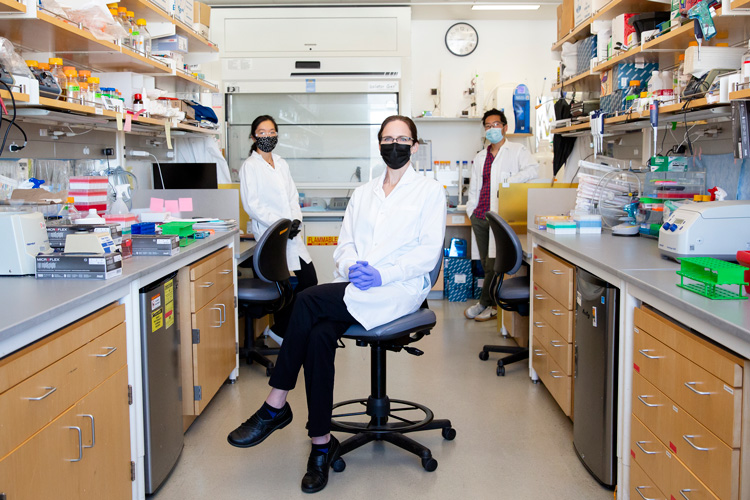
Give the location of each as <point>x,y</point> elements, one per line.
<point>461,39</point>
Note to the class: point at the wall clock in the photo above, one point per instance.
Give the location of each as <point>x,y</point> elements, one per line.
<point>461,39</point>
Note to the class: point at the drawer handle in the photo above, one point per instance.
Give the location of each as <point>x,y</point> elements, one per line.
<point>556,376</point>
<point>93,431</point>
<point>539,297</point>
<point>207,284</point>
<point>638,490</point>
<point>644,351</point>
<point>538,261</point>
<point>690,385</point>
<point>111,350</point>
<point>555,312</point>
<point>218,325</point>
<point>682,492</point>
<point>559,344</point>
<point>538,351</point>
<point>49,390</point>
<point>650,405</point>
<point>638,444</point>
<point>688,437</point>
<point>557,272</point>
<point>226,271</point>
<point>538,324</point>
<point>80,445</point>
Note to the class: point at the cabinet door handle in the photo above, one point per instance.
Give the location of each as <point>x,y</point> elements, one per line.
<point>538,351</point>
<point>638,444</point>
<point>226,271</point>
<point>224,313</point>
<point>644,351</point>
<point>688,437</point>
<point>111,350</point>
<point>539,297</point>
<point>93,430</point>
<point>555,376</point>
<point>80,445</point>
<point>555,312</point>
<point>690,385</point>
<point>638,490</point>
<point>686,490</point>
<point>49,390</point>
<point>538,261</point>
<point>216,309</point>
<point>650,405</point>
<point>559,344</point>
<point>538,324</point>
<point>557,272</point>
<point>207,284</point>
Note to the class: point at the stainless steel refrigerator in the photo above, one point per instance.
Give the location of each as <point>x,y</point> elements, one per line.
<point>595,376</point>
<point>162,391</point>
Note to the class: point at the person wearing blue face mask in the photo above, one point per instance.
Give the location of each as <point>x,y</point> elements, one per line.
<point>502,162</point>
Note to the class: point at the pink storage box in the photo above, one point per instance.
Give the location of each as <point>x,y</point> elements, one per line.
<point>88,183</point>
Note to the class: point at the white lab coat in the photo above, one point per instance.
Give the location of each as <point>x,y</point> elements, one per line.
<point>203,150</point>
<point>513,163</point>
<point>401,235</point>
<point>269,194</point>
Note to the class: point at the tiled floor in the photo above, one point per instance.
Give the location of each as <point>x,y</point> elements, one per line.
<point>513,442</point>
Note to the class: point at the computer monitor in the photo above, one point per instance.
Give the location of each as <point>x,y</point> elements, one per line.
<point>185,176</point>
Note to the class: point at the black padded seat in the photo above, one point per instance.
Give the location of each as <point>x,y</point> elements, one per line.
<point>257,291</point>
<point>514,289</point>
<point>423,319</point>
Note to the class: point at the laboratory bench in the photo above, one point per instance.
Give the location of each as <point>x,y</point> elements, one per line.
<point>658,322</point>
<point>48,323</point>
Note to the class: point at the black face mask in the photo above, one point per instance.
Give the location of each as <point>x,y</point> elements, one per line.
<point>395,155</point>
<point>266,144</point>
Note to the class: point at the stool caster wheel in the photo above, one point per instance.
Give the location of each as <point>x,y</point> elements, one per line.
<point>500,369</point>
<point>484,355</point>
<point>339,465</point>
<point>449,433</point>
<point>429,464</point>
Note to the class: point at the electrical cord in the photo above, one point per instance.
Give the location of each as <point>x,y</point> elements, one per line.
<point>163,186</point>
<point>14,147</point>
<point>12,122</point>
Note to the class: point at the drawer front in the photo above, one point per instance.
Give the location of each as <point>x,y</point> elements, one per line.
<point>559,385</point>
<point>541,330</point>
<point>38,400</point>
<point>561,351</point>
<point>655,361</point>
<point>649,453</point>
<point>641,486</point>
<point>558,317</point>
<point>210,284</point>
<point>684,484</point>
<point>209,263</point>
<point>708,399</point>
<point>555,275</point>
<point>539,358</point>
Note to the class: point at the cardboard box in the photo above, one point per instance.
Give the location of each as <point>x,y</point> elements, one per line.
<point>624,73</point>
<point>175,43</point>
<point>582,10</point>
<point>607,82</point>
<point>58,232</point>
<point>586,52</point>
<point>201,14</point>
<point>183,11</point>
<point>516,326</point>
<point>155,245</point>
<point>597,5</point>
<point>621,30</point>
<point>567,18</point>
<point>78,266</point>
<point>202,30</point>
<point>166,5</point>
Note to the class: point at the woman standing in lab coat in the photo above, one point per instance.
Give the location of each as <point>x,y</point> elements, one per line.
<point>391,238</point>
<point>269,194</point>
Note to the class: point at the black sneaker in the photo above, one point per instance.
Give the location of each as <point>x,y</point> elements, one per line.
<point>255,429</point>
<point>318,466</point>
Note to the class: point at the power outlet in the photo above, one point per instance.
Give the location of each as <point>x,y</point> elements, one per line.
<point>108,152</point>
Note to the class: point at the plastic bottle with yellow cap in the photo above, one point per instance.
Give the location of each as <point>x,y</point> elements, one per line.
<point>56,68</point>
<point>142,38</point>
<point>73,87</point>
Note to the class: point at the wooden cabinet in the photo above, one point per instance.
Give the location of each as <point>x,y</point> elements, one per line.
<point>207,329</point>
<point>552,296</point>
<point>688,406</point>
<point>64,417</point>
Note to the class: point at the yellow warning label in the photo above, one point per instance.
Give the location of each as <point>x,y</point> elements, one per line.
<point>168,292</point>
<point>169,315</point>
<point>169,303</point>
<point>157,320</point>
<point>322,240</point>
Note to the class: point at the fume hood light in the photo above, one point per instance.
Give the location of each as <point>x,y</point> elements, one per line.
<point>505,6</point>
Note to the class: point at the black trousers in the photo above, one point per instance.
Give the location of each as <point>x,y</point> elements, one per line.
<point>318,320</point>
<point>306,277</point>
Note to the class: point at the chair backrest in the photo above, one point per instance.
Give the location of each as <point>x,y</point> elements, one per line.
<point>436,271</point>
<point>269,257</point>
<point>508,251</point>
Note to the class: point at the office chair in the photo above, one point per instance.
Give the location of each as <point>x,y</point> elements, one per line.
<point>508,294</point>
<point>268,292</point>
<point>393,336</point>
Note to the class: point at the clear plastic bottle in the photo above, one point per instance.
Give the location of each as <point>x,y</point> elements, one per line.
<point>72,86</point>
<point>122,18</point>
<point>654,84</point>
<point>682,77</point>
<point>143,41</point>
<point>94,94</point>
<point>746,65</point>
<point>130,16</point>
<point>69,210</point>
<point>56,68</point>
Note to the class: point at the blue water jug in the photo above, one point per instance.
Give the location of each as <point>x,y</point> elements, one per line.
<point>458,248</point>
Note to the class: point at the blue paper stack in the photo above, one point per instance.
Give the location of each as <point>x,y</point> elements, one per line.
<point>459,281</point>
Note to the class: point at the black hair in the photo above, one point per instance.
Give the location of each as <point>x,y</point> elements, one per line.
<point>408,121</point>
<point>495,112</point>
<point>254,127</point>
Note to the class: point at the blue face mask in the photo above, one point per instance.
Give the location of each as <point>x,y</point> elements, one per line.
<point>494,135</point>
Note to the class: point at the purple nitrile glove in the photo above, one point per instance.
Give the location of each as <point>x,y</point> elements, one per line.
<point>364,276</point>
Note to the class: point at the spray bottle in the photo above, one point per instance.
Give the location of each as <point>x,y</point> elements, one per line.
<point>119,207</point>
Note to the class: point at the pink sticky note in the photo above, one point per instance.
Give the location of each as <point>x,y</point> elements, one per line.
<point>186,204</point>
<point>157,205</point>
<point>128,122</point>
<point>171,206</point>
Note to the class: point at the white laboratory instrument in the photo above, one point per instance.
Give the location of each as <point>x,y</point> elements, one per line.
<point>713,229</point>
<point>24,235</point>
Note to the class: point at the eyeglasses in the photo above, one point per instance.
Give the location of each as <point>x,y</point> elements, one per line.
<point>488,126</point>
<point>401,140</point>
<point>264,133</point>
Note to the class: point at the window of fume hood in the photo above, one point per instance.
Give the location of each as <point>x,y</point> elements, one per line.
<point>326,138</point>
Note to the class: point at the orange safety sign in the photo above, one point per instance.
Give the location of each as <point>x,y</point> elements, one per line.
<point>322,240</point>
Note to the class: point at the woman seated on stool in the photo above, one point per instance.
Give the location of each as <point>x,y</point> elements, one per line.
<point>390,240</point>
